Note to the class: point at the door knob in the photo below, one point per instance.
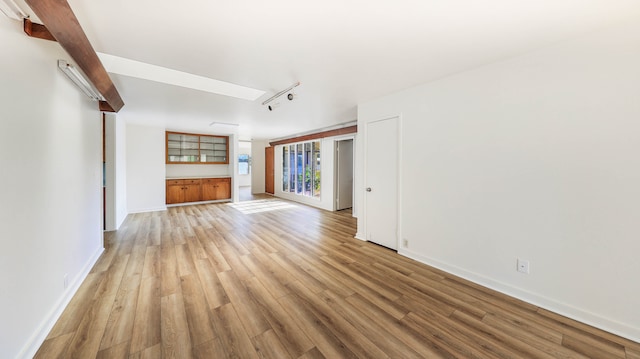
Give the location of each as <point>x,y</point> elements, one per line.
<point>368,189</point>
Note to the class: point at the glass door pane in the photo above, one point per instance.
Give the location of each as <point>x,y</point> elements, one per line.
<point>285,168</point>
<point>308,170</point>
<point>299,168</point>
<point>292,168</point>
<point>316,169</point>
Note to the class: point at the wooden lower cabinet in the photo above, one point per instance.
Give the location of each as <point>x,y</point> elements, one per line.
<point>198,189</point>
<point>216,188</point>
<point>175,192</point>
<point>183,190</point>
<point>192,193</point>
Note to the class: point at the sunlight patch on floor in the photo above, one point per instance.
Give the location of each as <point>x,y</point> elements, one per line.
<point>261,205</point>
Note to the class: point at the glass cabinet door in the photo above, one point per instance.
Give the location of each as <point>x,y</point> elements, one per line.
<point>193,148</point>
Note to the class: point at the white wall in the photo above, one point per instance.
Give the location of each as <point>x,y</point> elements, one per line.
<point>116,171</point>
<point>535,157</point>
<point>120,171</point>
<point>146,186</point>
<point>233,166</point>
<point>110,171</point>
<point>184,170</point>
<point>257,165</point>
<point>51,189</point>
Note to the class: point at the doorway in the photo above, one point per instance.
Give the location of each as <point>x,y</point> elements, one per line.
<point>381,182</point>
<point>104,174</point>
<point>244,171</point>
<point>344,174</point>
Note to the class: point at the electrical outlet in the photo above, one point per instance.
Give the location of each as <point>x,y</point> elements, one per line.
<point>523,266</point>
<point>66,280</point>
<point>405,243</point>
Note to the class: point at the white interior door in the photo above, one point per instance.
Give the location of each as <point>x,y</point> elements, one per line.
<point>381,182</point>
<point>344,174</point>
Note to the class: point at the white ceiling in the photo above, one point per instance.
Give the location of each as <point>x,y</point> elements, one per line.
<point>343,52</point>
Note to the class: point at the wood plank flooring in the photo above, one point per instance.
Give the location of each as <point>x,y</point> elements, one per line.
<point>274,279</point>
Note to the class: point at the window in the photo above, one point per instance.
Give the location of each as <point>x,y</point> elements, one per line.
<point>244,164</point>
<point>194,148</point>
<point>301,169</point>
<point>285,169</point>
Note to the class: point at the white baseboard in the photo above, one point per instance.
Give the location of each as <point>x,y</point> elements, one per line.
<point>118,225</point>
<point>145,210</point>
<point>226,200</point>
<point>595,320</point>
<point>36,340</point>
<point>359,236</point>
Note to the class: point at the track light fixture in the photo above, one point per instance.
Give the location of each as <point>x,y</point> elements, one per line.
<point>77,78</point>
<point>273,106</point>
<point>12,10</point>
<point>290,96</point>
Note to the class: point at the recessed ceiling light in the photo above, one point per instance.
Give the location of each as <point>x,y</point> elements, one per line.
<point>223,123</point>
<point>141,70</point>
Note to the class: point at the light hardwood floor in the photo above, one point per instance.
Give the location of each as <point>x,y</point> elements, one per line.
<point>274,279</point>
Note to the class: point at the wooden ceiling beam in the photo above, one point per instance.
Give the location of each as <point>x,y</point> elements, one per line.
<point>37,30</point>
<point>104,106</point>
<point>317,135</point>
<point>62,23</point>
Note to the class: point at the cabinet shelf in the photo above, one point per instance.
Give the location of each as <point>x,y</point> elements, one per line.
<point>190,148</point>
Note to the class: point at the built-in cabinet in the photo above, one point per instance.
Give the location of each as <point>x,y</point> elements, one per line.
<point>216,188</point>
<point>191,148</point>
<point>198,189</point>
